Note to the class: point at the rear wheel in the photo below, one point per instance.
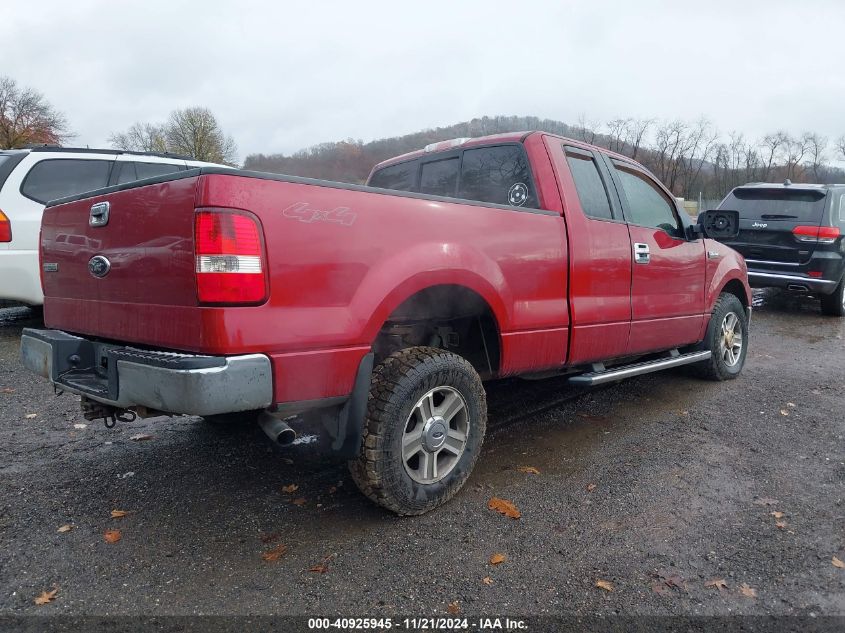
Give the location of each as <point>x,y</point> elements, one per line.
<point>727,340</point>
<point>834,304</point>
<point>426,419</point>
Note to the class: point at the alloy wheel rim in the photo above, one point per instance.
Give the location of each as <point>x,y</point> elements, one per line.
<point>730,341</point>
<point>435,435</point>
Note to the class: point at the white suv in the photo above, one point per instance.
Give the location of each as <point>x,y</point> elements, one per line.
<point>29,178</point>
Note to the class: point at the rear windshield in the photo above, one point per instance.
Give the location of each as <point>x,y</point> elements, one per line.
<point>776,204</point>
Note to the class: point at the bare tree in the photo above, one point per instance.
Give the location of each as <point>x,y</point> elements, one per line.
<point>141,137</point>
<point>817,146</point>
<point>771,145</point>
<point>616,130</point>
<point>27,118</point>
<point>635,132</point>
<point>196,133</point>
<point>587,130</point>
<point>192,132</point>
<point>840,146</point>
<point>794,151</point>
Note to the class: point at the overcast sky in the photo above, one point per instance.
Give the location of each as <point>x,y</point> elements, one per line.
<point>282,76</point>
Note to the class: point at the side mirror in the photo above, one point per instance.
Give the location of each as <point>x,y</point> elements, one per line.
<point>719,224</point>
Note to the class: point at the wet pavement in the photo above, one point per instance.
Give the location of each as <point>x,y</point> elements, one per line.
<point>658,486</point>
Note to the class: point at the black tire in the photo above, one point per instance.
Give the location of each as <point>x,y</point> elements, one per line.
<point>834,304</point>
<point>398,385</point>
<point>717,367</point>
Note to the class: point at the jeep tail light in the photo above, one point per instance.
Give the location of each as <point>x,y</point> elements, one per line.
<point>816,234</point>
<point>230,263</point>
<point>5,228</point>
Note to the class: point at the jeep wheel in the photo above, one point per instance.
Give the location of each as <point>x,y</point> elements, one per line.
<point>727,340</point>
<point>834,304</point>
<point>426,419</point>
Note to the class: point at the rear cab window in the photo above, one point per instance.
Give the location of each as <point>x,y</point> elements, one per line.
<point>495,174</point>
<point>55,178</point>
<point>761,203</point>
<point>589,185</point>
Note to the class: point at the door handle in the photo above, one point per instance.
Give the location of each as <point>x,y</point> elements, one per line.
<point>642,253</point>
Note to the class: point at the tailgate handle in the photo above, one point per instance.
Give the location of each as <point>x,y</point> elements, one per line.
<point>99,214</point>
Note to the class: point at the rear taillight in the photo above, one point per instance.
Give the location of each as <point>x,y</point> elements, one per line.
<point>230,263</point>
<point>5,228</point>
<point>816,234</point>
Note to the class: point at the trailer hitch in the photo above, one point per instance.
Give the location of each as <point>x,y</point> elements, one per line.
<point>93,410</point>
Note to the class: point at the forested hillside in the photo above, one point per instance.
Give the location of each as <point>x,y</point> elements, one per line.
<point>689,157</point>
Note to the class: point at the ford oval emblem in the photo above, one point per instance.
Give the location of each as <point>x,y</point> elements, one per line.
<point>99,266</point>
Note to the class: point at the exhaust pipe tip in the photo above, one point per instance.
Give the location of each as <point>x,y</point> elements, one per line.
<point>277,430</point>
<point>798,288</point>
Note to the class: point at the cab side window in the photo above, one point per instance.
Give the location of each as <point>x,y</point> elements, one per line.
<point>648,205</point>
<point>588,183</point>
<point>498,174</point>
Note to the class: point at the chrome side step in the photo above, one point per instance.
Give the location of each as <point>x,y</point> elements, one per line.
<point>603,376</point>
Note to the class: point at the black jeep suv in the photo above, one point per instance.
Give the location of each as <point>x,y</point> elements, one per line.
<point>793,236</point>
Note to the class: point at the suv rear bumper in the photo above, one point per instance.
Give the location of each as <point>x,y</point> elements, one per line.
<point>125,377</point>
<point>768,279</point>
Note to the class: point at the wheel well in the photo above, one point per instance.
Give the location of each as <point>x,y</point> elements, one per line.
<point>735,287</point>
<point>450,317</point>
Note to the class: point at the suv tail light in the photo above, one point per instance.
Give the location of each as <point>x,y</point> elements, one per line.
<point>5,228</point>
<point>230,262</point>
<point>816,234</point>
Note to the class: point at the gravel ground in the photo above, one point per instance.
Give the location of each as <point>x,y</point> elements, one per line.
<point>657,485</point>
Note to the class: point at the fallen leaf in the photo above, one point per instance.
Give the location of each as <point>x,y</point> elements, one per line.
<point>275,554</point>
<point>80,426</point>
<point>660,588</point>
<point>269,538</point>
<point>747,591</point>
<point>504,507</point>
<point>766,501</point>
<point>140,437</point>
<point>7,390</point>
<point>323,566</point>
<point>604,584</point>
<point>119,514</point>
<point>487,580</point>
<point>667,582</point>
<point>290,488</point>
<point>591,487</point>
<point>791,405</point>
<point>498,559</point>
<point>299,501</point>
<point>65,528</point>
<point>780,524</point>
<point>837,563</point>
<point>112,536</point>
<point>528,470</point>
<point>454,608</point>
<point>717,583</point>
<point>30,416</point>
<point>784,412</point>
<point>46,596</point>
<point>777,515</point>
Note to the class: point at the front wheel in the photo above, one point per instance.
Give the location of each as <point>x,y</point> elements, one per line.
<point>727,340</point>
<point>426,419</point>
<point>834,304</point>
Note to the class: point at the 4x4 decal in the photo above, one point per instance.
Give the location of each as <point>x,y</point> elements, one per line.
<point>304,212</point>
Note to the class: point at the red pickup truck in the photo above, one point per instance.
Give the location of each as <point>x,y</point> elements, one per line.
<point>379,310</point>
